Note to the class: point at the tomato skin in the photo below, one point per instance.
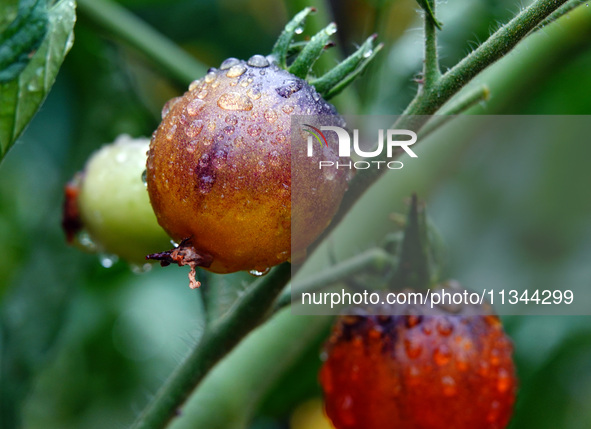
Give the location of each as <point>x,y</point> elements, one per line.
<point>219,167</point>
<point>419,372</point>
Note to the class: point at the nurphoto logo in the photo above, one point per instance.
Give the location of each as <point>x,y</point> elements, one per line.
<point>394,139</point>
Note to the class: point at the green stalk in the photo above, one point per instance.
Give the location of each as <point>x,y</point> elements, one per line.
<point>455,107</point>
<point>431,70</point>
<point>375,259</point>
<point>221,336</point>
<point>129,29</point>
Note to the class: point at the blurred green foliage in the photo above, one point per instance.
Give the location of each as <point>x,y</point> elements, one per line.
<point>85,346</point>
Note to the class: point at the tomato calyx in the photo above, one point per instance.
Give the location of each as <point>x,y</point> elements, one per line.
<point>184,254</point>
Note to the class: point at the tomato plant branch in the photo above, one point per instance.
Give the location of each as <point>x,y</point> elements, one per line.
<point>447,112</point>
<point>249,310</point>
<point>126,27</point>
<point>495,47</point>
<point>429,100</point>
<point>431,70</point>
<point>373,259</point>
<point>560,12</point>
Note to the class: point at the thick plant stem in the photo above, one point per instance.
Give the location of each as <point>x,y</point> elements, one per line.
<point>125,26</point>
<point>431,71</point>
<point>251,309</point>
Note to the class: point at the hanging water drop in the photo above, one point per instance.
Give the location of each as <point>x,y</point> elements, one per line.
<point>260,273</point>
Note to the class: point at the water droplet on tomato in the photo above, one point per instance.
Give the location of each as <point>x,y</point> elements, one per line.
<point>234,101</point>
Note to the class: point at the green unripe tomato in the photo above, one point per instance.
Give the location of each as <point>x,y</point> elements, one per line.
<point>113,202</point>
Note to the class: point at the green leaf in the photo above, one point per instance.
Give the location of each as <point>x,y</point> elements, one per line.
<point>22,37</point>
<point>21,97</point>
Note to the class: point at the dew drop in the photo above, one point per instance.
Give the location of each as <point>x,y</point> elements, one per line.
<point>239,141</point>
<point>145,177</point>
<point>287,109</point>
<point>299,30</point>
<point>283,256</point>
<point>86,241</point>
<point>258,61</point>
<point>194,128</point>
<point>234,101</point>
<point>211,126</point>
<point>108,260</point>
<point>183,120</point>
<point>444,327</point>
<point>231,119</point>
<point>329,174</point>
<point>204,160</point>
<point>316,96</point>
<point>171,132</point>
<point>261,167</point>
<point>260,273</point>
<point>274,158</point>
<point>253,130</point>
<point>280,138</point>
<point>195,106</point>
<point>483,368</point>
<point>195,84</point>
<point>229,130</point>
<point>367,53</point>
<point>140,269</point>
<point>493,414</point>
<point>230,62</point>
<point>442,355</point>
<point>270,115</point>
<point>254,92</point>
<point>504,381</point>
<point>449,385</point>
<point>237,70</point>
<point>219,159</point>
<point>205,184</point>
<point>192,145</point>
<point>289,87</point>
<point>168,106</point>
<point>210,77</point>
<point>412,320</point>
<point>202,94</point>
<point>413,348</point>
<point>495,358</point>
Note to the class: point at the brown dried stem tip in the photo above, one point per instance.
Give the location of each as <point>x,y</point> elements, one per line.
<point>184,254</point>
